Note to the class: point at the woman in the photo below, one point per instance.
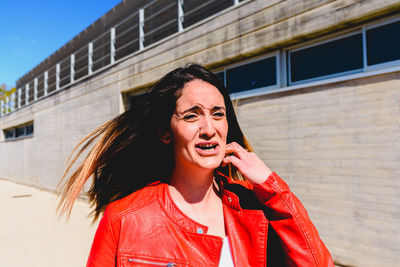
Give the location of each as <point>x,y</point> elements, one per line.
<point>179,186</point>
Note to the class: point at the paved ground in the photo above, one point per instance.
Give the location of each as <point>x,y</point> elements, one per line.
<point>31,233</point>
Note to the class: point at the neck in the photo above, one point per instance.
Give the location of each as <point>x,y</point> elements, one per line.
<point>194,186</point>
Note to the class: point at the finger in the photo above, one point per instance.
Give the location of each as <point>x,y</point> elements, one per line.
<point>236,146</point>
<point>232,159</point>
<point>236,149</point>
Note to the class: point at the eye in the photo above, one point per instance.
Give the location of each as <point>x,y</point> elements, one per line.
<point>219,114</point>
<point>190,117</point>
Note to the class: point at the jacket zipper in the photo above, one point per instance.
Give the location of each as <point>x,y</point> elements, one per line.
<point>169,264</point>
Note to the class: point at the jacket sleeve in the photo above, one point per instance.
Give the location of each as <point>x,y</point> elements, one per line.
<point>289,219</point>
<point>104,247</point>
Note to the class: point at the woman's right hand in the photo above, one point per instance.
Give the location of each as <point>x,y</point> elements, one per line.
<point>248,163</point>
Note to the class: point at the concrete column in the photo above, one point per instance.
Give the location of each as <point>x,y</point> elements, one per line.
<point>58,76</point>
<point>72,69</point>
<point>35,88</point>
<point>27,94</point>
<point>46,82</point>
<point>19,97</point>
<point>8,104</point>
<point>141,29</point>
<point>180,15</point>
<point>13,101</point>
<point>112,45</point>
<point>90,58</point>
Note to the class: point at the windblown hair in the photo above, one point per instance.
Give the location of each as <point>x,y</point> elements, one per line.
<point>127,154</point>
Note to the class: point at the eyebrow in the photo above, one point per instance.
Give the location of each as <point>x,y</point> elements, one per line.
<point>197,107</point>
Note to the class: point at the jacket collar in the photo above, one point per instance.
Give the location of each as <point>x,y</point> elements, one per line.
<point>176,215</point>
<point>229,198</point>
<point>171,210</point>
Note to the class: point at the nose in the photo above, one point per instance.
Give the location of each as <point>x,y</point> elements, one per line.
<point>207,128</point>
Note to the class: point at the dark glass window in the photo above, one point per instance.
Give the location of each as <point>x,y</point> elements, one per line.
<point>101,54</point>
<point>253,75</point>
<point>127,37</point>
<point>136,99</point>
<point>196,10</point>
<point>328,58</point>
<point>20,131</point>
<point>10,133</point>
<point>29,129</point>
<point>160,20</point>
<point>65,72</point>
<point>81,64</point>
<point>221,76</point>
<point>383,43</point>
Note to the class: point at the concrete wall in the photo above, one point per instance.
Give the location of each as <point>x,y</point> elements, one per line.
<point>338,147</point>
<point>337,144</point>
<point>60,122</point>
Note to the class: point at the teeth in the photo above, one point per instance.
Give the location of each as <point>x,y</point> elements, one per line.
<point>207,147</point>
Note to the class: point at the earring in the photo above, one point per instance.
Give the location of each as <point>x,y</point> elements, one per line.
<point>166,140</point>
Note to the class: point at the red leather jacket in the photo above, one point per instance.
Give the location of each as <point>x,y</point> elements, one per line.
<point>266,225</point>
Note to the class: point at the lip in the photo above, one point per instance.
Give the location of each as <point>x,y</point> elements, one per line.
<point>206,153</point>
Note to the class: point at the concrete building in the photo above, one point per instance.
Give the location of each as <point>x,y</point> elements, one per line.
<point>316,85</point>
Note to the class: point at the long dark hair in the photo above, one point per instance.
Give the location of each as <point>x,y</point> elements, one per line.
<point>126,153</point>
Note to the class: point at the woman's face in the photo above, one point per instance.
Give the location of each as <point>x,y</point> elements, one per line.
<point>199,126</point>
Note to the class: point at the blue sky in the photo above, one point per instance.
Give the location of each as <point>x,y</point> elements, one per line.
<point>30,31</point>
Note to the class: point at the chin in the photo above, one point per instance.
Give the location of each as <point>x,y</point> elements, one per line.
<point>209,164</point>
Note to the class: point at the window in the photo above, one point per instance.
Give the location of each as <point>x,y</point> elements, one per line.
<point>136,99</point>
<point>372,47</point>
<point>337,56</point>
<point>18,132</point>
<point>258,74</point>
<point>29,129</point>
<point>197,10</point>
<point>9,133</point>
<point>221,76</point>
<point>160,20</point>
<point>383,43</point>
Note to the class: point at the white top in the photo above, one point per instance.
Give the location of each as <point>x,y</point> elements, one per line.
<point>226,257</point>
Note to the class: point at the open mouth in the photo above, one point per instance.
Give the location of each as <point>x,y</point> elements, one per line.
<point>207,147</point>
